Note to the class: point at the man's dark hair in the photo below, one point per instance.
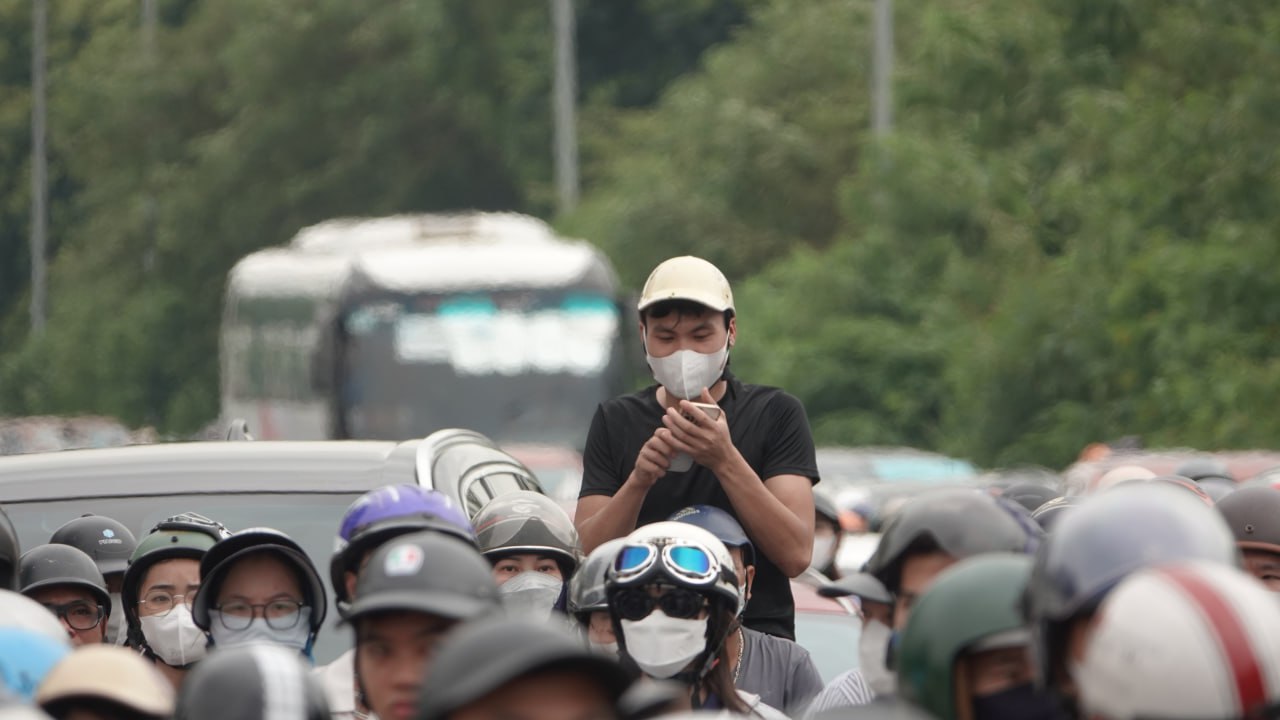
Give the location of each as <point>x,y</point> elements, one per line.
<point>681,308</point>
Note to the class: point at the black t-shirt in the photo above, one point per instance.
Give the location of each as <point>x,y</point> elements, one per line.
<point>769,428</point>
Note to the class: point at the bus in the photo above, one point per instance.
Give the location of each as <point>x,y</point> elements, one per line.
<point>392,328</point>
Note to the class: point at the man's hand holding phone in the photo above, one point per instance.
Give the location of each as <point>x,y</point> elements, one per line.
<point>699,431</point>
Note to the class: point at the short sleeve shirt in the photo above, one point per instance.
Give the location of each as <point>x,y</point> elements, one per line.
<point>768,427</point>
<point>779,671</point>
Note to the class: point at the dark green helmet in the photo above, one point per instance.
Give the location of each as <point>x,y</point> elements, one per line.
<point>970,606</point>
<point>183,536</point>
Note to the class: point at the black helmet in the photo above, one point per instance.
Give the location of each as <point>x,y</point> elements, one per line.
<point>483,656</point>
<point>49,565</point>
<point>188,535</point>
<point>252,682</point>
<point>1253,514</point>
<point>1201,468</point>
<point>10,551</point>
<point>1030,495</point>
<point>107,541</point>
<point>527,522</point>
<point>587,587</point>
<point>217,562</point>
<point>1100,542</point>
<point>720,523</point>
<point>426,572</point>
<point>1051,512</point>
<point>961,523</point>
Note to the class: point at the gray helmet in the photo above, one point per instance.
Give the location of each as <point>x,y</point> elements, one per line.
<point>10,551</point>
<point>107,541</point>
<point>483,656</point>
<point>1030,495</point>
<point>1201,468</point>
<point>1253,514</point>
<point>526,521</point>
<point>961,523</point>
<point>217,563</point>
<point>586,588</point>
<point>252,682</point>
<point>863,586</point>
<point>426,572</point>
<point>49,565</point>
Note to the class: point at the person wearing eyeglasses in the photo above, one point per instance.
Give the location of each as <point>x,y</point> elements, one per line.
<point>259,586</point>
<point>674,598</point>
<point>68,584</point>
<point>159,588</point>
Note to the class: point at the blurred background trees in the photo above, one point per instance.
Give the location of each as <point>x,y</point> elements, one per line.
<point>1070,234</point>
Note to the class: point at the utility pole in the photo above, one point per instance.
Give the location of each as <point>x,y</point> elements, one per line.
<point>149,211</point>
<point>882,69</point>
<point>39,185</point>
<point>564,98</point>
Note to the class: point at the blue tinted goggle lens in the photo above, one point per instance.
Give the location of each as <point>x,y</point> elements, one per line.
<point>633,557</point>
<point>690,559</point>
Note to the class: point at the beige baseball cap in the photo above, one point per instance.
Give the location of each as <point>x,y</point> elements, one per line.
<point>687,278</point>
<point>108,672</point>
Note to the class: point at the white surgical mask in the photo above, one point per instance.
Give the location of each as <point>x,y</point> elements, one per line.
<point>873,651</point>
<point>115,622</point>
<point>662,646</point>
<point>174,638</point>
<point>823,548</point>
<point>531,595</point>
<point>685,373</point>
<point>259,631</point>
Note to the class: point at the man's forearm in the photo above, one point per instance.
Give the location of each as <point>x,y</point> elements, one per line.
<point>773,527</point>
<point>615,519</point>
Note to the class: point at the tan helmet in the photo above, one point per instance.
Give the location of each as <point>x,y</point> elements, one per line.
<point>107,673</point>
<point>687,278</point>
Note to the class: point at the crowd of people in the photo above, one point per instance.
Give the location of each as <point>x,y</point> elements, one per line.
<point>1129,596</point>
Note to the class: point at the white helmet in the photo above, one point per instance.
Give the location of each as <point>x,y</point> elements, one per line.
<point>1192,640</point>
<point>635,567</point>
<point>687,278</point>
<point>1117,475</point>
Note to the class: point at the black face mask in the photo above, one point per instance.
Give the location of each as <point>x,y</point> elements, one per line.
<point>1023,702</point>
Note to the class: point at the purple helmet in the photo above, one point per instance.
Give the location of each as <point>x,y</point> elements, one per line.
<point>384,513</point>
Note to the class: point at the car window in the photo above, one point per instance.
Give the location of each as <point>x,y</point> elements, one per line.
<point>832,641</point>
<point>312,519</point>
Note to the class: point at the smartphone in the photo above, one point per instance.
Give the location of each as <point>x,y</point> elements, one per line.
<point>683,461</point>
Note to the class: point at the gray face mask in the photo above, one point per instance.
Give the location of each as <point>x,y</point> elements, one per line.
<point>531,595</point>
<point>259,631</point>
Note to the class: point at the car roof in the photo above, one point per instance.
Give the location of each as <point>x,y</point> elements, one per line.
<point>215,467</point>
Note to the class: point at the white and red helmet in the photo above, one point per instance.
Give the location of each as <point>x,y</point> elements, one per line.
<point>1192,640</point>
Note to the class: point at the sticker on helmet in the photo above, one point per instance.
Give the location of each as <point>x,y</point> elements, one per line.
<point>108,533</point>
<point>404,560</point>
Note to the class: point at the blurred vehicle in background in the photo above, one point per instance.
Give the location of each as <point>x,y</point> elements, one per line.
<point>828,628</point>
<point>868,484</point>
<point>20,435</point>
<point>394,327</point>
<point>557,467</point>
<point>1243,465</point>
<point>300,488</point>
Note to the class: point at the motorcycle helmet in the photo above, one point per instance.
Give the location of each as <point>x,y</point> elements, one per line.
<point>218,561</point>
<point>252,682</point>
<point>527,522</point>
<point>1187,640</point>
<point>1104,539</point>
<point>388,512</point>
<point>107,541</point>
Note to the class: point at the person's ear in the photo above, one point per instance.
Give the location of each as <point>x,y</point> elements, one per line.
<point>349,578</point>
<point>751,579</point>
<point>733,331</point>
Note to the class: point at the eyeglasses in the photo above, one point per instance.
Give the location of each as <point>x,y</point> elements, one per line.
<point>161,603</point>
<point>692,563</point>
<point>279,614</point>
<point>79,615</point>
<point>637,603</point>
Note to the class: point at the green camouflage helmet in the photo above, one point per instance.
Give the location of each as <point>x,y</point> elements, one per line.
<point>971,604</point>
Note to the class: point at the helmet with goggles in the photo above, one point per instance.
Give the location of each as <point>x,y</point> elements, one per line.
<point>678,555</point>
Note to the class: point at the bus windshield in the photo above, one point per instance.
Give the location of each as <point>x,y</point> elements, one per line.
<point>518,365</point>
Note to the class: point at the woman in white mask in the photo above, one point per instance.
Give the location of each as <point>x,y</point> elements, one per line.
<point>259,586</point>
<point>158,589</point>
<point>674,597</point>
<point>533,548</point>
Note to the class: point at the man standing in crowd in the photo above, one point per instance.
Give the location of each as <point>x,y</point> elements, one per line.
<point>751,450</point>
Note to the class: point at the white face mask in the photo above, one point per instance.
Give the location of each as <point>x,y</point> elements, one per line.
<point>174,638</point>
<point>685,373</point>
<point>873,651</point>
<point>115,622</point>
<point>531,595</point>
<point>823,548</point>
<point>259,631</point>
<point>662,646</point>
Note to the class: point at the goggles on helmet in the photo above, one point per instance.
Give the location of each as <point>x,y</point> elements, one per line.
<point>690,562</point>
